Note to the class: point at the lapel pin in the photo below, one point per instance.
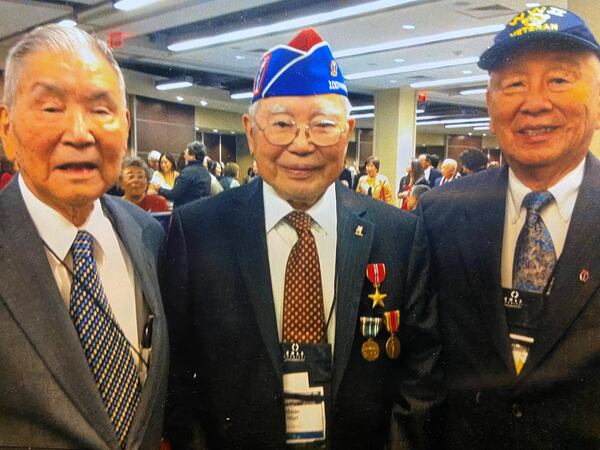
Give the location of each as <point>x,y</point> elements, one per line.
<point>359,231</point>
<point>584,275</point>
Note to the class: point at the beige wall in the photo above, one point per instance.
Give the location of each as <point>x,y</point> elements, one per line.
<point>220,120</point>
<point>430,139</point>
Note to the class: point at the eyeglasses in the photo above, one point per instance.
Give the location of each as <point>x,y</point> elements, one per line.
<point>322,132</point>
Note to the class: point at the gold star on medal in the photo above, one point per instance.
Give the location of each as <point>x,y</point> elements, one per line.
<point>377,298</point>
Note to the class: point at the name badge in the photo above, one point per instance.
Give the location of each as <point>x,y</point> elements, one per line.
<point>304,409</point>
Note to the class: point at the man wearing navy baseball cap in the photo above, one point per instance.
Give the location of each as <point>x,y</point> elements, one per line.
<point>299,310</point>
<point>519,298</point>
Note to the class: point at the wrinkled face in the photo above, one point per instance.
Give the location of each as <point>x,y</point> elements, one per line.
<point>371,170</point>
<point>165,165</point>
<point>448,170</point>
<point>134,182</point>
<point>544,108</point>
<point>301,171</point>
<point>67,128</point>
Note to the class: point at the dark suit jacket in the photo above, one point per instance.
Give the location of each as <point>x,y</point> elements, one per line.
<point>555,402</point>
<point>434,174</point>
<point>48,396</point>
<point>227,369</point>
<point>192,183</point>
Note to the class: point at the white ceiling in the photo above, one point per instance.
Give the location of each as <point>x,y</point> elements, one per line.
<point>149,30</point>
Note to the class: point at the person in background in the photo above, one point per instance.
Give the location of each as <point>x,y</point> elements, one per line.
<point>374,184</point>
<point>517,249</point>
<point>6,171</point>
<point>412,201</point>
<point>431,173</point>
<point>215,186</point>
<point>193,181</point>
<point>167,172</point>
<point>153,160</point>
<point>449,172</point>
<point>78,282</point>
<point>260,343</point>
<point>472,161</point>
<point>414,176</point>
<point>230,179</point>
<point>251,173</point>
<point>134,182</point>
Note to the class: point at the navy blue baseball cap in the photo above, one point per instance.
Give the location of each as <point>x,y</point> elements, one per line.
<point>305,66</point>
<point>557,28</point>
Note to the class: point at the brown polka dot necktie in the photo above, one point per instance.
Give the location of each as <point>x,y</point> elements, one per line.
<point>303,315</point>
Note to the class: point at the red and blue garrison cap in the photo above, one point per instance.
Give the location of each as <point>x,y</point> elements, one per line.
<point>305,66</point>
<point>550,27</point>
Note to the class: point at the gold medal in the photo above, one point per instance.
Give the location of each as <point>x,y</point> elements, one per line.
<point>392,322</point>
<point>369,327</point>
<point>392,347</point>
<point>370,350</point>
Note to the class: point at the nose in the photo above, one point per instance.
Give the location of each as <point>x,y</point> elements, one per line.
<point>536,100</point>
<point>302,142</point>
<point>77,130</point>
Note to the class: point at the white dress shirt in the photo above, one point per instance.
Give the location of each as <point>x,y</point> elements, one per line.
<point>114,265</point>
<point>556,216</point>
<point>281,237</point>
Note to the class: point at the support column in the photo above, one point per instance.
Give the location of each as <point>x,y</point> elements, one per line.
<point>395,131</point>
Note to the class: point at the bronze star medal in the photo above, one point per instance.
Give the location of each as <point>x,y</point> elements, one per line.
<point>376,275</point>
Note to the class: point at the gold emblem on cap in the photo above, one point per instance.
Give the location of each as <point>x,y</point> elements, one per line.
<point>333,68</point>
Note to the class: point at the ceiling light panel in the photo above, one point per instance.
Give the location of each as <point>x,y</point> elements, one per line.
<point>422,40</point>
<point>451,81</point>
<point>292,24</point>
<point>412,68</point>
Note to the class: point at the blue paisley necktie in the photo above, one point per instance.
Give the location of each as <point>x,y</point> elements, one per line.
<point>107,350</point>
<point>535,256</point>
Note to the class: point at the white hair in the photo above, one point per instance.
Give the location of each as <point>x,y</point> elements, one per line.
<point>253,109</point>
<point>52,38</point>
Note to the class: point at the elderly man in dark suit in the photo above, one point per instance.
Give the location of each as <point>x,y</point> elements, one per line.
<point>80,308</point>
<point>517,249</point>
<point>278,293</point>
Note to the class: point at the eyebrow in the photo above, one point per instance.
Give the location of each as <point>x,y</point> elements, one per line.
<point>98,95</point>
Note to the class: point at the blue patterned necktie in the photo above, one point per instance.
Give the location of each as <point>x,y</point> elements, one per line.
<point>107,350</point>
<point>535,256</point>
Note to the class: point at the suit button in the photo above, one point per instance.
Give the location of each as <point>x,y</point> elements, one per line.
<point>517,411</point>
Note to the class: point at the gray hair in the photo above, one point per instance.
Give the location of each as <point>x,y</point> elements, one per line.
<point>52,38</point>
<point>134,161</point>
<point>253,109</point>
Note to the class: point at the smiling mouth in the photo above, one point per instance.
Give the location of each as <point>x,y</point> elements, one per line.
<point>78,166</point>
<point>537,131</point>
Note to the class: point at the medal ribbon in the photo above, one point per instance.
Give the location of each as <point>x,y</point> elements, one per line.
<point>392,320</point>
<point>370,326</point>
<point>376,273</point>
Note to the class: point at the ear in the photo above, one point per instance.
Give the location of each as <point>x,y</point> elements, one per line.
<point>598,106</point>
<point>5,133</point>
<point>247,122</point>
<point>351,125</point>
<point>488,102</point>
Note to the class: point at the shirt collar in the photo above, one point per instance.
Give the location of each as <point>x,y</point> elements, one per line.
<point>56,231</point>
<point>277,208</point>
<point>564,192</point>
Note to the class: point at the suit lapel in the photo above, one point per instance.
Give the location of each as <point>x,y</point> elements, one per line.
<point>352,256</point>
<point>253,258</point>
<point>30,293</point>
<point>481,249</point>
<point>581,251</point>
<point>132,236</point>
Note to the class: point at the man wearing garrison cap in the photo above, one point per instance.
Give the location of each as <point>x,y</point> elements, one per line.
<point>278,293</point>
<point>517,249</point>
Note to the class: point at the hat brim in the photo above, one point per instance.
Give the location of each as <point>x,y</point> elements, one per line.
<point>499,54</point>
